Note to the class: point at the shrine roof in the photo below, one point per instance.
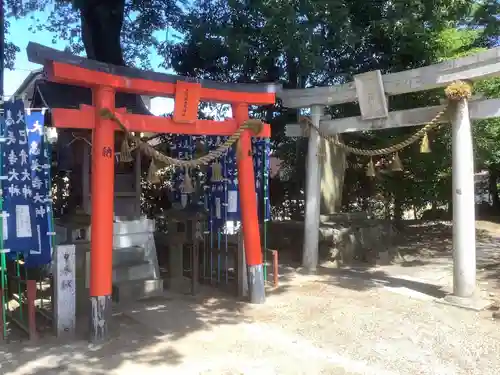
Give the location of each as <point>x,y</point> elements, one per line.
<point>42,55</point>
<point>55,95</point>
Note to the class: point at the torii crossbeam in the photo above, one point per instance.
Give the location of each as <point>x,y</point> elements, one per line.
<point>105,80</point>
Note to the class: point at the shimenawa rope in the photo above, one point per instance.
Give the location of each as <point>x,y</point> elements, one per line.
<point>456,91</point>
<point>252,124</point>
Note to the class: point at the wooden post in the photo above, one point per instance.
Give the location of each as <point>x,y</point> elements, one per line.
<point>313,195</point>
<point>195,270</point>
<point>2,307</point>
<point>31,298</point>
<point>242,274</point>
<point>274,256</point>
<point>85,178</point>
<point>248,203</point>
<point>64,287</point>
<point>138,188</point>
<point>101,242</point>
<point>197,236</point>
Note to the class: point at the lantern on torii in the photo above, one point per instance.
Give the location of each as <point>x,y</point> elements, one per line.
<point>105,80</point>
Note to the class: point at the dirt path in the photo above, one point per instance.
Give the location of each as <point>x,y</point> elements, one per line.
<point>491,228</point>
<point>427,254</point>
<point>326,324</point>
<point>380,321</point>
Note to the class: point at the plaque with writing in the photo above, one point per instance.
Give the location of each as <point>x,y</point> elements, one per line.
<point>371,95</point>
<point>187,98</point>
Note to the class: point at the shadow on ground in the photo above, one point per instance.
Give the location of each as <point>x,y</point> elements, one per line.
<point>428,243</point>
<point>129,342</point>
<point>365,279</point>
<point>422,244</point>
<point>145,333</point>
<point>149,332</point>
<point>435,239</point>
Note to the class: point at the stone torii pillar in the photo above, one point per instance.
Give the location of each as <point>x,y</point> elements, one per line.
<point>464,210</point>
<point>464,246</point>
<point>313,195</point>
<point>371,89</point>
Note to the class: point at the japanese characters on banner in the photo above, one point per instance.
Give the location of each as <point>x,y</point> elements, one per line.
<point>18,228</point>
<point>221,192</point>
<point>261,163</point>
<point>25,187</point>
<point>230,174</point>
<point>216,192</point>
<point>39,156</point>
<point>182,148</point>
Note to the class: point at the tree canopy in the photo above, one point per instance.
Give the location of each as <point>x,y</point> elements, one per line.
<point>313,43</point>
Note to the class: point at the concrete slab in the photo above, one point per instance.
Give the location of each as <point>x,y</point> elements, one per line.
<point>474,303</point>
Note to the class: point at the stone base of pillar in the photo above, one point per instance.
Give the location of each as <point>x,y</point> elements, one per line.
<point>100,315</point>
<point>474,303</point>
<point>307,271</point>
<point>256,285</point>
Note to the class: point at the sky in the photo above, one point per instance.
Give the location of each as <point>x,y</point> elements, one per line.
<point>22,36</point>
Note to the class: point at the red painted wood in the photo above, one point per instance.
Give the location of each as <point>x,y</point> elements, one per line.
<point>75,75</point>
<point>187,100</point>
<point>248,197</point>
<point>102,187</point>
<point>84,118</point>
<point>104,85</point>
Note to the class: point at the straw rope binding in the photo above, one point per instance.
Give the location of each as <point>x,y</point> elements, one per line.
<point>254,125</point>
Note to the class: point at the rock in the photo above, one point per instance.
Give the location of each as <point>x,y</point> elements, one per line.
<point>384,257</point>
<point>348,239</point>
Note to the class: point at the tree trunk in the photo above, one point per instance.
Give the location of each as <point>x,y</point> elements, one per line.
<point>493,188</point>
<point>333,163</point>
<point>398,201</point>
<point>101,28</point>
<point>398,210</point>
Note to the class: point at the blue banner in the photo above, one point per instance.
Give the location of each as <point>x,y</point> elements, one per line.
<point>217,187</point>
<point>182,148</point>
<point>231,186</point>
<point>19,230</point>
<point>39,157</point>
<point>25,186</point>
<point>222,196</point>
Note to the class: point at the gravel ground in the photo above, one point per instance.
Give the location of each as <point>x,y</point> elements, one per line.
<point>328,324</point>
<point>381,321</point>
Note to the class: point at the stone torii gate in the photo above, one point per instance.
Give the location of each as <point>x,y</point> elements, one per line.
<point>371,90</point>
<point>104,81</point>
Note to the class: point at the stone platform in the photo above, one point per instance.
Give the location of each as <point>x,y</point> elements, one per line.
<point>343,239</point>
<point>136,274</point>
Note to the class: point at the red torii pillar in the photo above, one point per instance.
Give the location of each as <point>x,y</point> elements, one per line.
<point>187,96</point>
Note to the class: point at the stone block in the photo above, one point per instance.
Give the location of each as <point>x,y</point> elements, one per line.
<point>343,238</point>
<point>128,255</point>
<point>130,291</point>
<point>134,271</point>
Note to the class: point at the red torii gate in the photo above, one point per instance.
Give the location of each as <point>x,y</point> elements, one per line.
<point>68,69</point>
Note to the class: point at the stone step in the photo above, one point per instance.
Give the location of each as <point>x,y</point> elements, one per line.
<point>121,241</point>
<point>127,255</point>
<point>137,271</point>
<point>342,217</point>
<point>126,228</point>
<point>130,291</point>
